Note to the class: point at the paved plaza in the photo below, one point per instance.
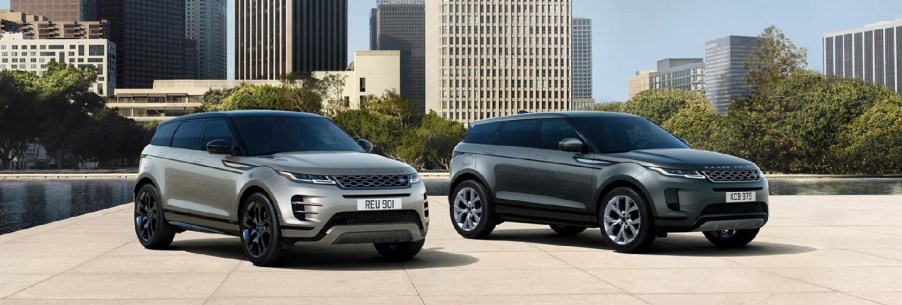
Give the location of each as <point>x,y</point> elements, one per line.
<point>814,250</point>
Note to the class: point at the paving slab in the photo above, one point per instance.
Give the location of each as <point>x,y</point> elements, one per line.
<point>814,250</point>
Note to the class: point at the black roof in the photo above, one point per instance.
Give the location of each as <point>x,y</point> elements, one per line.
<point>553,115</point>
<point>240,114</point>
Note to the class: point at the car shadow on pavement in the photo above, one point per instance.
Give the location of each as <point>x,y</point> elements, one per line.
<point>328,257</point>
<point>679,244</point>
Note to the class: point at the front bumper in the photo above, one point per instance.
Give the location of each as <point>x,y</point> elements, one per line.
<point>686,205</point>
<point>327,214</point>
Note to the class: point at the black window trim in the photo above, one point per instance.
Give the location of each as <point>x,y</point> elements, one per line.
<point>168,144</point>
<point>228,123</point>
<point>535,129</point>
<point>203,128</point>
<point>579,133</point>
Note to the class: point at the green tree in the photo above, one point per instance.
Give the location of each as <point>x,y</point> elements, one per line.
<point>872,143</point>
<point>65,103</point>
<point>700,125</point>
<point>658,105</point>
<point>19,120</point>
<point>774,58</point>
<point>432,142</point>
<point>609,107</point>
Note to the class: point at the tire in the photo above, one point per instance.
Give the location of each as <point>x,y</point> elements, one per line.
<point>400,251</point>
<point>261,236</point>
<point>151,227</point>
<point>567,230</point>
<point>729,239</point>
<point>619,228</point>
<point>471,210</point>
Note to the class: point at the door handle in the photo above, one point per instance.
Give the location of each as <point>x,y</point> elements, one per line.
<point>541,157</point>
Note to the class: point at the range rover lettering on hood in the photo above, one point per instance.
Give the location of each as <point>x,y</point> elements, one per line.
<point>729,167</point>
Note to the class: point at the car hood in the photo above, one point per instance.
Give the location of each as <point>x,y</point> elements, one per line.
<point>682,158</point>
<point>332,163</point>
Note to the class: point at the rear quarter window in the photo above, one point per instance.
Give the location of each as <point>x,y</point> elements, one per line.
<point>163,135</point>
<point>482,134</point>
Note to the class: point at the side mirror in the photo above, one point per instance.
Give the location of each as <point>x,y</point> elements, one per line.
<point>220,147</point>
<point>571,145</point>
<point>684,141</point>
<point>366,145</point>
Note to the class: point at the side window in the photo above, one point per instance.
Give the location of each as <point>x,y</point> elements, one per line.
<point>188,135</point>
<point>553,131</point>
<point>217,130</point>
<point>517,133</point>
<point>163,135</point>
<point>482,134</point>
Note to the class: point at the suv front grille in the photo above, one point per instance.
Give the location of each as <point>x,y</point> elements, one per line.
<point>732,176</point>
<point>374,217</point>
<point>735,208</point>
<point>373,181</point>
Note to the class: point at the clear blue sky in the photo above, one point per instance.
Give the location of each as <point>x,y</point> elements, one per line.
<point>633,35</point>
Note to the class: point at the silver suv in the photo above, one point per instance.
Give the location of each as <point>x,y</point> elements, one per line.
<point>275,178</point>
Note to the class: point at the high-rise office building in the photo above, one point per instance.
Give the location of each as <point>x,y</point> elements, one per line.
<point>149,37</point>
<point>400,25</point>
<point>58,10</point>
<point>41,27</point>
<point>205,23</point>
<point>277,37</point>
<point>639,82</point>
<point>19,52</point>
<point>494,58</point>
<point>725,74</point>
<point>872,53</point>
<point>582,58</point>
<point>679,73</point>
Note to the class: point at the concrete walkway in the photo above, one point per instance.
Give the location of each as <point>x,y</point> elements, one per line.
<point>815,250</point>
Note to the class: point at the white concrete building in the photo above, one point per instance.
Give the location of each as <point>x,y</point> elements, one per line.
<point>872,53</point>
<point>372,73</point>
<point>495,57</point>
<point>17,52</point>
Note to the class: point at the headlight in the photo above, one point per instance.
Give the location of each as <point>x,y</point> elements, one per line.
<point>307,178</point>
<point>678,173</point>
<point>414,178</point>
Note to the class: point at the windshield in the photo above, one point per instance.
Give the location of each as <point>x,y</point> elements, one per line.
<point>266,135</point>
<point>622,134</point>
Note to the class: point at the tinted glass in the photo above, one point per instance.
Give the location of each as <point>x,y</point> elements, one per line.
<point>266,135</point>
<point>622,134</point>
<point>217,130</point>
<point>517,133</point>
<point>482,133</point>
<point>188,135</point>
<point>163,135</point>
<point>553,131</point>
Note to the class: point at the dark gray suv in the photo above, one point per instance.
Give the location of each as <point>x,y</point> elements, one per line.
<point>619,172</point>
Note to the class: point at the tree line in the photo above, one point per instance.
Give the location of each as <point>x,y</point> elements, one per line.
<point>58,111</point>
<point>389,120</point>
<point>795,121</point>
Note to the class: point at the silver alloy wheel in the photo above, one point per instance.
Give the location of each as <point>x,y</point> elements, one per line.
<point>467,209</point>
<point>622,220</point>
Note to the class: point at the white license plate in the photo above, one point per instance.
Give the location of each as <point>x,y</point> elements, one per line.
<point>740,196</point>
<point>379,204</point>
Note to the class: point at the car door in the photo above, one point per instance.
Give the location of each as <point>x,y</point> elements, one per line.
<point>509,161</point>
<point>561,185</point>
<point>215,187</point>
<point>182,173</point>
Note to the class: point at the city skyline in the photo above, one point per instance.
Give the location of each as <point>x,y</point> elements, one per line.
<point>671,29</point>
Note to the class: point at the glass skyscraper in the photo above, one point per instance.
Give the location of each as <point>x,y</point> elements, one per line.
<point>205,23</point>
<point>872,53</point>
<point>725,74</point>
<point>400,25</point>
